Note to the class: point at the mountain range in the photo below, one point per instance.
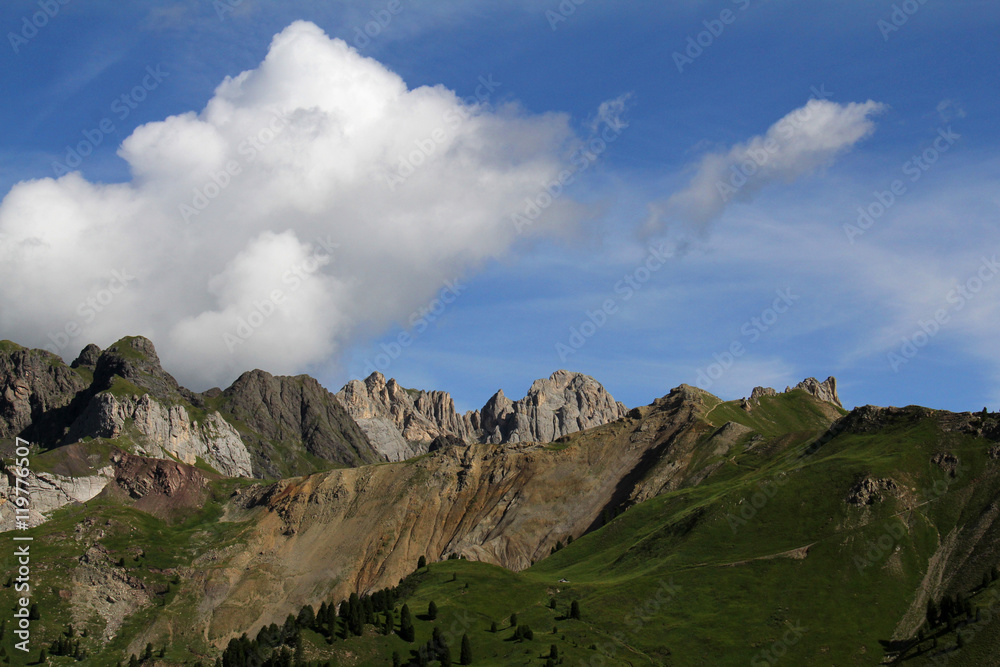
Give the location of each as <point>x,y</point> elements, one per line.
<point>779,527</point>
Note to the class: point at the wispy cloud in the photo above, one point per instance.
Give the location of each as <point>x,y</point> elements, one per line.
<point>804,140</point>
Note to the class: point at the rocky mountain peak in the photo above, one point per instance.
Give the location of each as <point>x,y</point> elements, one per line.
<point>134,358</point>
<point>403,422</point>
<point>824,391</point>
<point>88,357</point>
<point>36,389</point>
<point>283,409</point>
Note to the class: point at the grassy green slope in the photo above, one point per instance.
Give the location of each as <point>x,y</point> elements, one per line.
<point>720,573</point>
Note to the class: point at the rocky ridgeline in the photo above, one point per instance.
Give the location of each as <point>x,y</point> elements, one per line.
<point>401,423</point>
<point>825,391</point>
<point>262,426</point>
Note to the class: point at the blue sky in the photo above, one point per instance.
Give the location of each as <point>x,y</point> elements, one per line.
<point>883,310</point>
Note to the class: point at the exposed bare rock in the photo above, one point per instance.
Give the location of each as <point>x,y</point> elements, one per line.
<point>388,415</point>
<point>134,359</point>
<point>401,423</point>
<point>946,461</point>
<point>288,419</point>
<point>88,357</point>
<point>564,403</point>
<point>496,417</point>
<point>824,391</point>
<point>48,492</point>
<point>162,488</point>
<point>760,392</point>
<point>156,486</point>
<point>995,452</point>
<point>101,588</point>
<point>166,430</point>
<point>446,440</point>
<point>871,418</point>
<point>36,390</point>
<point>439,408</point>
<point>869,491</point>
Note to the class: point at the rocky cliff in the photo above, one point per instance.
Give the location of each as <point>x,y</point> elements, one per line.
<point>287,420</point>
<point>36,389</point>
<point>562,404</point>
<point>401,423</point>
<point>165,430</point>
<point>262,426</point>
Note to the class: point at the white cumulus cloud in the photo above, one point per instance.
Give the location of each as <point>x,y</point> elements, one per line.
<point>314,200</point>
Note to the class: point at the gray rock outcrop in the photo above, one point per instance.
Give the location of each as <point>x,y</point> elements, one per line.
<point>563,403</point>
<point>402,423</point>
<point>824,391</point>
<point>48,492</point>
<point>166,431</point>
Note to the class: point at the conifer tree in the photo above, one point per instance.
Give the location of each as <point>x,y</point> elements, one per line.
<point>466,656</point>
<point>432,610</point>
<point>406,631</point>
<point>574,610</point>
